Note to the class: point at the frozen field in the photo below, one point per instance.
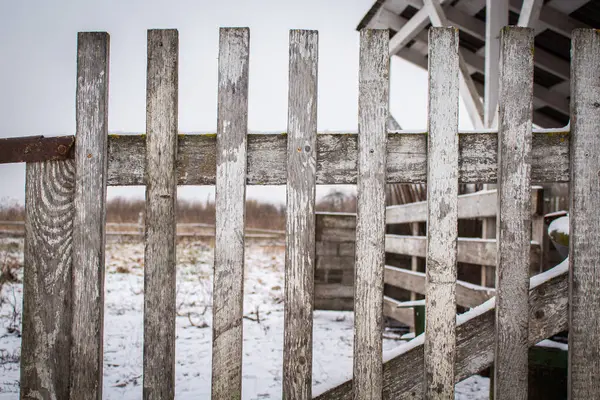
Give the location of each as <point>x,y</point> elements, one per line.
<point>263,326</point>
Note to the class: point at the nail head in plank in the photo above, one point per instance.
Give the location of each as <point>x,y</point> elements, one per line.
<point>300,221</point>
<point>89,215</point>
<point>584,252</point>
<point>161,194</point>
<point>370,227</point>
<point>442,217</point>
<point>231,153</point>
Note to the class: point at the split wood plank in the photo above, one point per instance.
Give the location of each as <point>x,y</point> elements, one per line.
<point>584,252</point>
<point>442,217</point>
<point>300,220</point>
<point>231,156</point>
<point>514,213</point>
<point>161,195</point>
<point>89,215</point>
<point>47,287</point>
<point>370,224</point>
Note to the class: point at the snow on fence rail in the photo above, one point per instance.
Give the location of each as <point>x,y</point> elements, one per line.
<point>66,208</point>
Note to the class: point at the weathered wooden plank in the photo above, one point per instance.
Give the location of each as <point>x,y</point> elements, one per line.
<point>442,216</point>
<point>228,289</point>
<point>467,294</point>
<point>300,220</point>
<point>370,224</point>
<point>336,262</point>
<point>48,255</point>
<point>392,309</point>
<point>514,213</point>
<point>584,252</point>
<point>337,158</point>
<point>161,196</point>
<point>470,250</point>
<point>89,215</point>
<point>548,312</point>
<point>333,290</point>
<point>36,149</point>
<point>480,204</point>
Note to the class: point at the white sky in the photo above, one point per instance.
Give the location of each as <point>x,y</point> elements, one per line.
<point>38,69</point>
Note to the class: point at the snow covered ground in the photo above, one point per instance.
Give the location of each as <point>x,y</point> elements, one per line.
<point>263,329</point>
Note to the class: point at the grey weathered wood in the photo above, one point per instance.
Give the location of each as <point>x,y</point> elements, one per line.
<point>392,309</point>
<point>414,261</point>
<point>89,215</point>
<point>442,216</point>
<point>300,220</point>
<point>514,213</point>
<point>48,255</point>
<point>584,252</point>
<point>370,224</point>
<point>161,196</point>
<point>473,205</point>
<point>548,312</point>
<point>337,158</point>
<point>228,290</point>
<point>467,294</point>
<point>470,250</point>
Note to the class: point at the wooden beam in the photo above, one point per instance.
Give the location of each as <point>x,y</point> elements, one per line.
<point>392,308</point>
<point>337,158</point>
<point>467,294</point>
<point>530,13</point>
<point>470,250</point>
<point>496,17</point>
<point>469,91</point>
<point>548,300</point>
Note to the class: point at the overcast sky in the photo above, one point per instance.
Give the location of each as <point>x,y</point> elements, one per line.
<point>38,69</point>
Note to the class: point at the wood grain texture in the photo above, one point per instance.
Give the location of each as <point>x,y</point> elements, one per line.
<point>514,213</point>
<point>370,221</point>
<point>300,217</point>
<point>442,217</point>
<point>548,312</point>
<point>337,158</point>
<point>89,215</point>
<point>584,252</point>
<point>49,196</point>
<point>392,308</point>
<point>228,289</point>
<point>161,195</point>
<point>467,294</point>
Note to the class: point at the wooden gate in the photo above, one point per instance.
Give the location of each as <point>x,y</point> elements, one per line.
<point>62,349</point>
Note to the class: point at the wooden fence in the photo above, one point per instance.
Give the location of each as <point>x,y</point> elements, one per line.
<point>65,215</point>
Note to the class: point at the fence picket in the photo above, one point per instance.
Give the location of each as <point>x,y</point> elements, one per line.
<point>584,252</point>
<point>161,194</point>
<point>514,213</point>
<point>300,221</point>
<point>370,224</point>
<point>49,195</point>
<point>442,216</point>
<point>89,215</point>
<point>228,291</point>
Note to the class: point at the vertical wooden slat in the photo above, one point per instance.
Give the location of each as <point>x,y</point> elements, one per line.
<point>370,225</point>
<point>49,195</point>
<point>90,215</point>
<point>514,213</point>
<point>300,221</point>
<point>584,251</point>
<point>228,290</point>
<point>161,196</point>
<point>442,216</point>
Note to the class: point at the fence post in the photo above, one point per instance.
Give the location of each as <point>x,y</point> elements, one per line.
<point>228,286</point>
<point>90,215</point>
<point>47,287</point>
<point>370,224</point>
<point>300,221</point>
<point>584,218</point>
<point>514,214</point>
<point>161,196</point>
<point>442,215</point>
